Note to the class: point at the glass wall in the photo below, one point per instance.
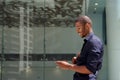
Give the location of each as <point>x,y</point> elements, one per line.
<point>36,33</point>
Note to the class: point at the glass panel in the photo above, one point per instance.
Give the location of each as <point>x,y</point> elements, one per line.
<point>11,71</point>
<point>23,37</point>
<point>34,34</point>
<point>54,73</point>
<point>22,19</point>
<point>60,35</point>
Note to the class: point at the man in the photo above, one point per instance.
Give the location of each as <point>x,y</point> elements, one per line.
<point>87,64</point>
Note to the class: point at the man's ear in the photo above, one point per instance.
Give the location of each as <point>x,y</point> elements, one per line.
<point>87,25</point>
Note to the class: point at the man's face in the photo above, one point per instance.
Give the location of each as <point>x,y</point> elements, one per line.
<point>81,29</point>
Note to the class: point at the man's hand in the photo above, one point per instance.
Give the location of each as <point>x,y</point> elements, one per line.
<point>63,64</point>
<point>74,58</point>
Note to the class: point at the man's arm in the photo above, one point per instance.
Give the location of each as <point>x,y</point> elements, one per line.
<point>80,69</point>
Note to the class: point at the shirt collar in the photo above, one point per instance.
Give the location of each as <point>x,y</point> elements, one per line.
<point>89,35</point>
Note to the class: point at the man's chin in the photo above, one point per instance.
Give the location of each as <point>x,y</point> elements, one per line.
<point>81,35</point>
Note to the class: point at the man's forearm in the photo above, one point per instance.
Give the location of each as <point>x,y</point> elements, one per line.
<point>80,69</point>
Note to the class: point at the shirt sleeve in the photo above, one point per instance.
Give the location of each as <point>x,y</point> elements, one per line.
<point>93,57</point>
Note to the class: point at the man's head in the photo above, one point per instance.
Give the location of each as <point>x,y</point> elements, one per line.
<point>83,25</point>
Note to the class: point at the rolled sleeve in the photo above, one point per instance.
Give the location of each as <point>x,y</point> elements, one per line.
<point>93,58</point>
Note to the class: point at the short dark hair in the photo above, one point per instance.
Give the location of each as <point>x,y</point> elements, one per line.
<point>83,19</point>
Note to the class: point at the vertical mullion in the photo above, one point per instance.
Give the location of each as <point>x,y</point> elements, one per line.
<point>2,42</point>
<point>44,52</point>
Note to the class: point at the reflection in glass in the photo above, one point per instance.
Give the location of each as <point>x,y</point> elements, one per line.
<point>54,12</point>
<point>36,33</point>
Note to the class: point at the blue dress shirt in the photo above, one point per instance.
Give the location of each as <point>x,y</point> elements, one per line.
<point>91,56</point>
